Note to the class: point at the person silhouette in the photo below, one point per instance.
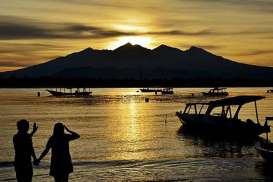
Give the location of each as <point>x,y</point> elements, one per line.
<point>61,164</point>
<point>24,150</point>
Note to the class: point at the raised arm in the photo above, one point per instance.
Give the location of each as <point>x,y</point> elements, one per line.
<point>35,127</point>
<point>73,135</point>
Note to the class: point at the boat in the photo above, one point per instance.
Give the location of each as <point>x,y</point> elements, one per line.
<point>70,92</point>
<point>219,117</point>
<point>150,90</point>
<point>265,147</point>
<point>167,91</point>
<point>157,90</point>
<point>269,91</point>
<point>216,92</point>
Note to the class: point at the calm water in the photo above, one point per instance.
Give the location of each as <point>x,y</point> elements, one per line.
<point>125,139</point>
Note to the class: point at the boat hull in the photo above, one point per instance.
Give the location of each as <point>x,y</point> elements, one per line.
<point>67,94</point>
<point>220,126</point>
<point>222,94</point>
<point>167,92</point>
<point>265,152</point>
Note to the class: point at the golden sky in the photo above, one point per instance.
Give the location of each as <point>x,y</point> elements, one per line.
<point>33,31</point>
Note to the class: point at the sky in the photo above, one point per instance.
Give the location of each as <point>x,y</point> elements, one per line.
<point>33,32</point>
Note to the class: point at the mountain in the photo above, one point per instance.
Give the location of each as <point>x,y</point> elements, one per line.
<point>134,62</point>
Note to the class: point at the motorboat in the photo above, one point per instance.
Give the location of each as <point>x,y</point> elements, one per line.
<point>222,117</point>
<point>216,92</point>
<point>265,147</point>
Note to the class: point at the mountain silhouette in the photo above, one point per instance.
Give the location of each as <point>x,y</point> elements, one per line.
<point>139,63</point>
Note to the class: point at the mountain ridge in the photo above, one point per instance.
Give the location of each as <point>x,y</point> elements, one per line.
<point>139,63</point>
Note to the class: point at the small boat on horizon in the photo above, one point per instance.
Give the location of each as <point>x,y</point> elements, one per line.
<point>216,92</point>
<point>167,90</point>
<point>70,92</point>
<point>219,118</point>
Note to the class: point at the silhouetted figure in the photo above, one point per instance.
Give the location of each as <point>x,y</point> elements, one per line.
<point>23,147</point>
<point>61,164</point>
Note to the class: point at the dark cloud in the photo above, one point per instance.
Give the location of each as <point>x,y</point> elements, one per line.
<point>178,32</point>
<point>12,28</point>
<point>204,46</point>
<point>27,30</point>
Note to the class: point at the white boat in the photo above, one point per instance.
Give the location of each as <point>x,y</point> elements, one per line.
<point>220,119</point>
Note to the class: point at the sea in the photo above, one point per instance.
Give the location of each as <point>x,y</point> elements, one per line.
<point>130,136</point>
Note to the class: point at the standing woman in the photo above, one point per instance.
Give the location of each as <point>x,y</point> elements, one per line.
<point>61,164</point>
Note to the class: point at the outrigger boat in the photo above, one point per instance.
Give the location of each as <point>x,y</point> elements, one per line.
<point>70,92</point>
<point>265,148</point>
<point>225,122</point>
<point>216,92</point>
<point>150,89</point>
<point>158,90</point>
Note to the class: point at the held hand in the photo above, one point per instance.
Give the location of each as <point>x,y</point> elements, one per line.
<point>36,162</point>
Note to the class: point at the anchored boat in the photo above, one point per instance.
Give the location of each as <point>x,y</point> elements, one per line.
<point>216,92</point>
<point>219,117</point>
<point>265,148</point>
<point>167,91</point>
<point>158,90</point>
<point>70,92</point>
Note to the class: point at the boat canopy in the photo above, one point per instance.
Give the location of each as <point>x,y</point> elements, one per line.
<point>238,100</point>
<point>219,88</point>
<point>225,104</point>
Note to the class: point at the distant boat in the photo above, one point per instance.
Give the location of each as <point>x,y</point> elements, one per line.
<point>269,91</point>
<point>157,90</point>
<point>150,89</point>
<point>265,148</point>
<point>225,122</point>
<point>216,92</point>
<point>70,92</point>
<point>167,91</point>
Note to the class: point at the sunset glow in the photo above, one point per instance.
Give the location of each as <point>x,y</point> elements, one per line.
<point>34,32</point>
<point>142,41</point>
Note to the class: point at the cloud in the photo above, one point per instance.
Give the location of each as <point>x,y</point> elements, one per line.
<point>12,28</point>
<point>13,64</point>
<point>255,53</point>
<point>7,47</point>
<point>18,29</point>
<point>204,46</point>
<point>179,32</point>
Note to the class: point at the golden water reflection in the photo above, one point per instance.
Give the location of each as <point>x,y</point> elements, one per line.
<point>129,131</point>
